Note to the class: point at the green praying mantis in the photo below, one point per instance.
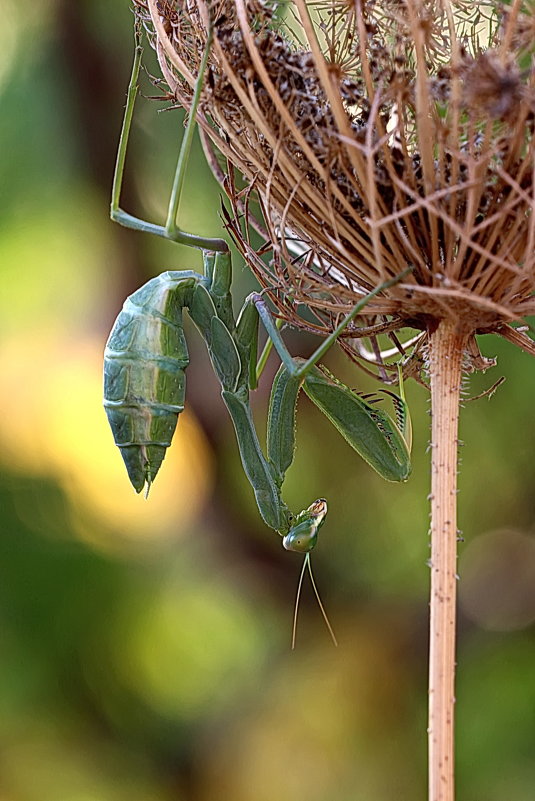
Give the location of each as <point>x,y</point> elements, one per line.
<point>146,357</point>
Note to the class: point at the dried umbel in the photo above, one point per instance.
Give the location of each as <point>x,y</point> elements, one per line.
<point>375,135</point>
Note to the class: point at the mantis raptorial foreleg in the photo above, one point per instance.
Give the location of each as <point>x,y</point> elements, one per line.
<point>146,357</point>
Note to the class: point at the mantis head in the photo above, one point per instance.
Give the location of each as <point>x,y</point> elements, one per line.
<point>301,538</point>
<point>303,535</point>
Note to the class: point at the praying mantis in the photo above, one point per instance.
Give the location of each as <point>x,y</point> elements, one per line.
<point>146,357</point>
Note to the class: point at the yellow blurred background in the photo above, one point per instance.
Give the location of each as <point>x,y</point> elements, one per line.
<point>145,645</point>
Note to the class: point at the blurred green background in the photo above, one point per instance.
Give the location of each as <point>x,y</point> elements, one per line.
<point>145,645</point>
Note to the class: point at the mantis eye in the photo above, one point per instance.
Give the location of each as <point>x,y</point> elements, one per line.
<point>303,536</point>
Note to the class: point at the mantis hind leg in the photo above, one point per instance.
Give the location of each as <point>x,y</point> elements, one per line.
<point>170,230</point>
<point>302,367</point>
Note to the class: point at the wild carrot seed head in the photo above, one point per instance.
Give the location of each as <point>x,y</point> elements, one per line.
<point>374,135</point>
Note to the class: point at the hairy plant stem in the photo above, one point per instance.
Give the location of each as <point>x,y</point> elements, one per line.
<point>445,365</point>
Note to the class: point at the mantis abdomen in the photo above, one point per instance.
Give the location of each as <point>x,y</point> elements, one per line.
<point>144,379</point>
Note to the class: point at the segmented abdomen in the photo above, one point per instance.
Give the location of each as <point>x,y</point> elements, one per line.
<point>144,381</point>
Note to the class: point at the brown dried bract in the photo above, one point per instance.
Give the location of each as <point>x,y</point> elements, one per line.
<point>492,85</point>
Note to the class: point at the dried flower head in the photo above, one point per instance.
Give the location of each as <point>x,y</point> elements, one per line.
<point>375,134</point>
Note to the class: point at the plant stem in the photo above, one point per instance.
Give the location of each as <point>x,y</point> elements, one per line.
<point>445,365</point>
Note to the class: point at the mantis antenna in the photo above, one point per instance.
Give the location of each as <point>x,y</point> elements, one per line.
<point>308,564</point>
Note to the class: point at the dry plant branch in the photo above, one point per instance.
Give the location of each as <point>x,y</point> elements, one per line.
<point>377,135</point>
<point>446,347</point>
